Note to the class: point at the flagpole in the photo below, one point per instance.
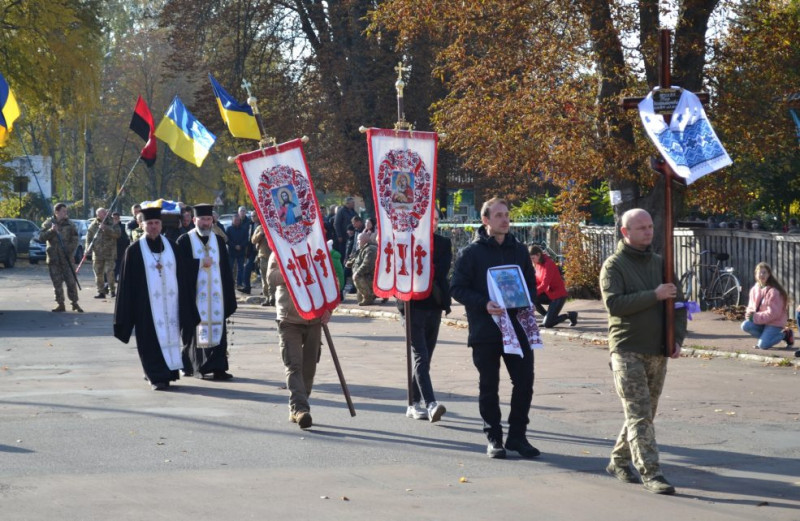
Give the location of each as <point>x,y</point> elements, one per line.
<point>402,124</point>
<point>119,165</point>
<point>253,102</point>
<point>89,248</point>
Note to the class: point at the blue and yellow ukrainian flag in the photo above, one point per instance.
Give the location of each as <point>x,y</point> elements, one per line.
<point>184,135</point>
<point>238,116</point>
<point>9,110</point>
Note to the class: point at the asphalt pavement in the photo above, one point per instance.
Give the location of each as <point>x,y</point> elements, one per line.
<point>82,436</point>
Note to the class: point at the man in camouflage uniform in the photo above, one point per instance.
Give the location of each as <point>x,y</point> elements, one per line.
<point>138,230</point>
<point>104,251</point>
<point>61,236</point>
<point>364,268</point>
<point>634,295</point>
<point>259,240</point>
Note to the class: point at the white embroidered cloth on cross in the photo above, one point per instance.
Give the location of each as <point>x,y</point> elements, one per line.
<point>280,187</point>
<point>403,171</point>
<point>688,143</point>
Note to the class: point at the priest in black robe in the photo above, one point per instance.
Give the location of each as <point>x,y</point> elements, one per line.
<point>152,272</point>
<point>208,273</point>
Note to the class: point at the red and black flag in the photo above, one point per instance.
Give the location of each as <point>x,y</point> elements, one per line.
<point>142,124</point>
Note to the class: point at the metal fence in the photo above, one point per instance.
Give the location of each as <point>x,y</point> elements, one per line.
<point>745,249</point>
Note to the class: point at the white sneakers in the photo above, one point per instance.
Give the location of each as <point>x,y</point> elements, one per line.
<point>417,412</point>
<point>433,413</point>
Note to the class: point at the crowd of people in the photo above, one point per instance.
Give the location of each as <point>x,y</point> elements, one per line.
<point>176,294</point>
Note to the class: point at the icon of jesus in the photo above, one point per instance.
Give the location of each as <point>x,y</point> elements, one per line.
<point>286,206</point>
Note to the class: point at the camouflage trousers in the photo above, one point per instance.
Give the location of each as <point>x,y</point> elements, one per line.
<point>59,274</point>
<point>638,380</point>
<point>266,290</point>
<point>105,267</point>
<point>364,287</point>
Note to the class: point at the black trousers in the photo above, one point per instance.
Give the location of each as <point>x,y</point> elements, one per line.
<point>486,358</point>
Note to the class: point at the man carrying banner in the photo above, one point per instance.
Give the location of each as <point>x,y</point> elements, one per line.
<point>211,285</point>
<point>300,341</point>
<point>426,317</point>
<point>299,269</point>
<point>154,299</point>
<point>495,246</point>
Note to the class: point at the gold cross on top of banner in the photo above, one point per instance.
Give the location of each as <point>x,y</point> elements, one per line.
<point>401,124</point>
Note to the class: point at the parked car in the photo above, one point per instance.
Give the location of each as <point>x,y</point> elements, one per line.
<point>83,228</point>
<point>24,229</point>
<point>226,220</point>
<point>36,251</point>
<point>8,247</point>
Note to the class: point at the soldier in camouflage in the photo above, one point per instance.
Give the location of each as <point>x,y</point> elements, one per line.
<point>102,237</point>
<point>364,268</point>
<point>61,236</point>
<point>634,295</point>
<point>138,230</point>
<point>259,240</point>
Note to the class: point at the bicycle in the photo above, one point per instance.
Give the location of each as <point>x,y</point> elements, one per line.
<point>723,288</point>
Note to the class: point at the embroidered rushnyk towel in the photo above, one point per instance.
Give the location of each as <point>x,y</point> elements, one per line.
<point>688,143</point>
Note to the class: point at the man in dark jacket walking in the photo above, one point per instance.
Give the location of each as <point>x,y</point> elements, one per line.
<point>494,246</point>
<point>426,316</point>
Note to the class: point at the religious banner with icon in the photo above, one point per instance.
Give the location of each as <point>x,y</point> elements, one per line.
<point>280,187</point>
<point>403,172</point>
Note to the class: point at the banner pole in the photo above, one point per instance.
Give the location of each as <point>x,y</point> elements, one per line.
<point>338,367</point>
<point>89,248</point>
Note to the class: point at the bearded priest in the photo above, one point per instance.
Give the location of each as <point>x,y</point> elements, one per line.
<point>208,274</point>
<point>154,298</point>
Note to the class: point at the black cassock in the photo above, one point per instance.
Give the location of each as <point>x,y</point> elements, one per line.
<point>205,360</point>
<point>132,309</point>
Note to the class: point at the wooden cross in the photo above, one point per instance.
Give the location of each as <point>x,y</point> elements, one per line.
<point>664,82</point>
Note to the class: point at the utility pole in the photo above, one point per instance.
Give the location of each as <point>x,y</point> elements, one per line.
<point>85,191</point>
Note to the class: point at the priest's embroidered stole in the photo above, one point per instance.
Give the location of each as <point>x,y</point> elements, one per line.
<point>162,288</point>
<point>209,300</point>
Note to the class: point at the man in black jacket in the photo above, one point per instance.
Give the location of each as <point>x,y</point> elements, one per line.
<point>426,316</point>
<point>494,246</point>
<point>340,223</point>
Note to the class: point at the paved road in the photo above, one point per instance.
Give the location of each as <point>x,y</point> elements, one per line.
<point>82,437</point>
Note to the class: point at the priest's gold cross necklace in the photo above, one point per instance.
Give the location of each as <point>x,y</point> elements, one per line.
<point>157,258</point>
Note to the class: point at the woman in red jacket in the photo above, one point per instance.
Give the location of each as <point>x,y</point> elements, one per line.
<point>550,289</point>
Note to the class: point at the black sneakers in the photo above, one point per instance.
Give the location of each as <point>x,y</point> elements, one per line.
<point>573,317</point>
<point>523,447</point>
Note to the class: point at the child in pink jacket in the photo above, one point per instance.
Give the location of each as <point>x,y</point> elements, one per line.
<point>765,316</point>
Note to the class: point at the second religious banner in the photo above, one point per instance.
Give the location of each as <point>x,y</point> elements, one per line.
<point>281,190</point>
<point>403,171</point>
